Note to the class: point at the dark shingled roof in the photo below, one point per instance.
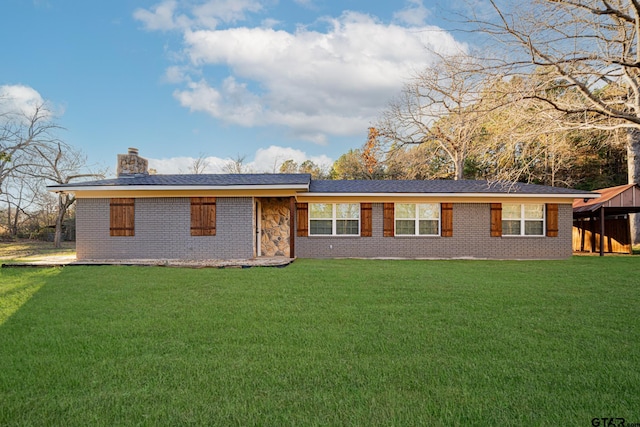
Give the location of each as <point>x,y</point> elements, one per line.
<point>325,186</point>
<point>197,180</point>
<point>435,186</point>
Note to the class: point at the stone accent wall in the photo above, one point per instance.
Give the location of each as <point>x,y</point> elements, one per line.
<point>162,231</point>
<point>471,239</point>
<point>274,222</point>
<point>131,163</point>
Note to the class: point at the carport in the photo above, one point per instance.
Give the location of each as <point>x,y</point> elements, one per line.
<point>610,212</point>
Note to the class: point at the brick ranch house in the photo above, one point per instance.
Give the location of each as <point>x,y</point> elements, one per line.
<point>242,216</point>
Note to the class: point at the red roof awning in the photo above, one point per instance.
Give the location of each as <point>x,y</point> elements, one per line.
<point>622,199</point>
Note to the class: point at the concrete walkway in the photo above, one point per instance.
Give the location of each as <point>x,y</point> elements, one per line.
<point>70,260</point>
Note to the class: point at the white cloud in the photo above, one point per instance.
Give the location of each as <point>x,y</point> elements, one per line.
<point>176,74</point>
<point>19,100</point>
<point>270,23</point>
<point>415,14</point>
<point>265,160</point>
<point>305,3</point>
<point>174,14</point>
<point>160,17</point>
<point>314,83</point>
<point>211,12</point>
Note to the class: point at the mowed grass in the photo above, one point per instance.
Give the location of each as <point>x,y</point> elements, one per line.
<point>323,342</point>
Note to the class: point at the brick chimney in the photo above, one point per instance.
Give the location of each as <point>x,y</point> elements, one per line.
<point>132,164</point>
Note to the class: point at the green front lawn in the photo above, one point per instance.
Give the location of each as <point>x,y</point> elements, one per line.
<point>323,342</point>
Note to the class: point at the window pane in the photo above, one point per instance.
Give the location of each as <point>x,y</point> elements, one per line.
<point>428,227</point>
<point>510,211</point>
<point>429,211</point>
<point>510,228</point>
<point>320,226</point>
<point>404,226</point>
<point>534,211</point>
<point>347,226</point>
<point>405,210</point>
<point>533,228</point>
<point>320,210</point>
<point>348,210</point>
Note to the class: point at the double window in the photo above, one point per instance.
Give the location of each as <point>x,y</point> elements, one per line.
<point>326,219</point>
<point>523,219</point>
<point>417,219</point>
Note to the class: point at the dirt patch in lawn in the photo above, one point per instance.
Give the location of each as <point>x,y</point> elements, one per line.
<point>24,248</point>
<point>30,253</point>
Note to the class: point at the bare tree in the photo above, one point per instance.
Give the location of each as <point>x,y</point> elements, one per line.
<point>588,49</point>
<point>441,107</point>
<point>60,164</point>
<point>199,165</point>
<point>424,161</point>
<point>20,194</point>
<point>19,132</point>
<point>237,165</point>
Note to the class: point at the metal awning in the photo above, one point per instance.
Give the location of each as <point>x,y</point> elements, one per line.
<point>620,200</point>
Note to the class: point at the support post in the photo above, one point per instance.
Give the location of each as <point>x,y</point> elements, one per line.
<point>292,228</point>
<point>593,229</point>
<point>629,233</point>
<point>602,231</point>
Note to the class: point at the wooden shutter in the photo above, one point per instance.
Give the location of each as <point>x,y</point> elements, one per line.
<point>446,226</point>
<point>496,219</point>
<point>365,220</point>
<point>302,219</point>
<point>203,216</point>
<point>122,217</point>
<point>388,220</point>
<point>552,220</point>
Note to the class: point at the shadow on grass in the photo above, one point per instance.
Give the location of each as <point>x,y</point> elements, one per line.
<point>18,287</point>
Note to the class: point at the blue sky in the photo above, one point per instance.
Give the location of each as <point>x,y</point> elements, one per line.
<point>271,80</point>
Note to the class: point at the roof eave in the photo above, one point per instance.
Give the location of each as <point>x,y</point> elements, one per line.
<point>70,189</point>
<point>461,195</point>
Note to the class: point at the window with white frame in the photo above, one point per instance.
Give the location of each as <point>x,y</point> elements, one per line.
<point>523,219</point>
<point>326,219</point>
<point>417,219</point>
